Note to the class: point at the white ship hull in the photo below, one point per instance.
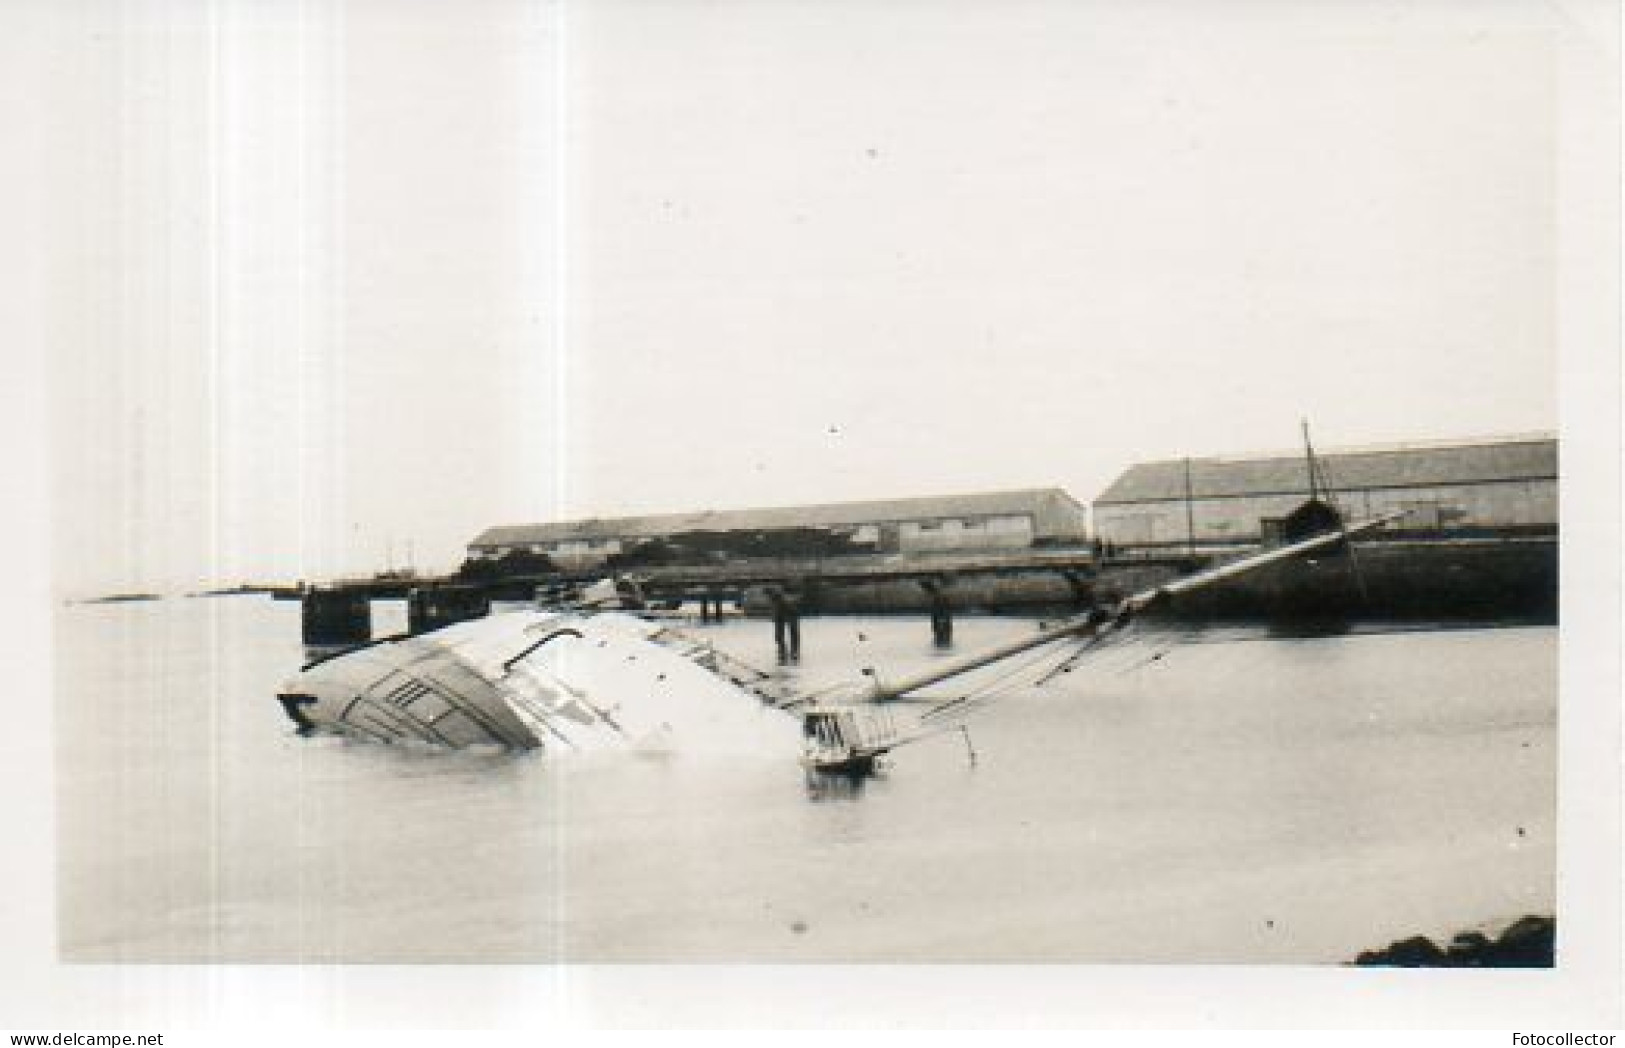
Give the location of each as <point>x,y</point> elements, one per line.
<point>562,682</point>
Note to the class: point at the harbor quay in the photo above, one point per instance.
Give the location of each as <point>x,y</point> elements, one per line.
<point>1475,539</point>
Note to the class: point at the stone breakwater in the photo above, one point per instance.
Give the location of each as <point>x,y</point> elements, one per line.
<point>1525,943</point>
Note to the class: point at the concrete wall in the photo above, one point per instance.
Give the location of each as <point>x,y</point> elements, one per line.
<point>1509,504</point>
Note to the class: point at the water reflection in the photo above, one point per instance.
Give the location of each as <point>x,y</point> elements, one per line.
<point>1310,626</point>
<point>835,786</point>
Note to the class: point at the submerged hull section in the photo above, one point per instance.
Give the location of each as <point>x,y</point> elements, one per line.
<point>560,682</point>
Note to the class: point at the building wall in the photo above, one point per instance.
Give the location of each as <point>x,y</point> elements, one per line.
<point>1011,531</point>
<point>580,554</point>
<point>949,533</point>
<point>583,547</point>
<point>1523,503</point>
<point>991,520</point>
<point>1061,519</point>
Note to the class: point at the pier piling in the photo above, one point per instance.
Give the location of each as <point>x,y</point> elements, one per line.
<point>942,615</point>
<point>786,624</point>
<point>329,617</point>
<point>430,609</point>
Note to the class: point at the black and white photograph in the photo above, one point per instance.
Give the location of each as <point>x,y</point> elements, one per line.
<point>669,513</point>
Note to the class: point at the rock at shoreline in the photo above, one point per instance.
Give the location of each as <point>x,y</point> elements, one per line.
<point>1525,943</point>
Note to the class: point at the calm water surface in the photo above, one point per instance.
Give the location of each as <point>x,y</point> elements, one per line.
<point>1213,796</point>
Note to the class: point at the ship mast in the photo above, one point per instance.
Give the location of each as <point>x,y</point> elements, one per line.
<point>1309,459</point>
<point>1315,475</point>
<point>1100,620</point>
<point>1190,513</point>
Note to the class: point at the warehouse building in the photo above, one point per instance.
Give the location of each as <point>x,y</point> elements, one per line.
<point>1502,485</point>
<point>989,520</point>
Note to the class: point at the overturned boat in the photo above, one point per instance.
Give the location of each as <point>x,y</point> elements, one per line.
<point>584,681</point>
<point>566,681</point>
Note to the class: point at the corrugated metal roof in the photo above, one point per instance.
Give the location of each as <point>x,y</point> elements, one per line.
<point>1040,502</point>
<point>1476,463</point>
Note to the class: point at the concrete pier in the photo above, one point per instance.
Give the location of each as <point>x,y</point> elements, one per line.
<point>1395,580</point>
<point>1385,577</point>
<point>335,616</point>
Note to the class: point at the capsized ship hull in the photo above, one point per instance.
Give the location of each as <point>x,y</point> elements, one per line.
<point>563,682</point>
<point>584,681</point>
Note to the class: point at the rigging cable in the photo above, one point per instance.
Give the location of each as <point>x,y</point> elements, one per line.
<point>1092,644</point>
<point>1001,684</point>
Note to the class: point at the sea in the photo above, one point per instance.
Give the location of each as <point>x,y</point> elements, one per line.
<point>1236,794</point>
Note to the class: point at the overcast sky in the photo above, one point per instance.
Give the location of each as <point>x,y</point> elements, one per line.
<point>323,282</point>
